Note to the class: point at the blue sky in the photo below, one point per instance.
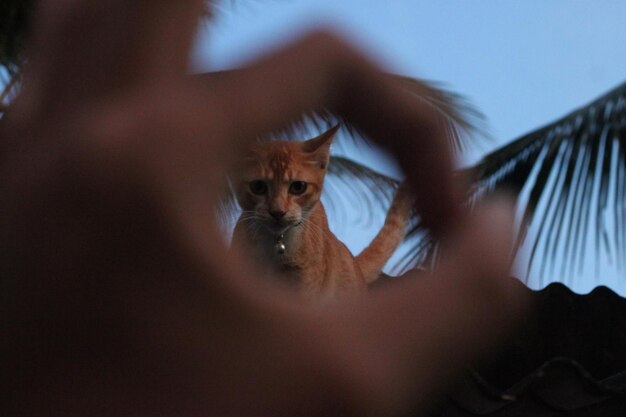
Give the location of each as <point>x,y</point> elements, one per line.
<point>522,63</point>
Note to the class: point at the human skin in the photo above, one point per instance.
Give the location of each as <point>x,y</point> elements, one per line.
<point>116,296</point>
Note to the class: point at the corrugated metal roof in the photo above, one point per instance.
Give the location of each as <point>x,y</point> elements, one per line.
<point>569,359</point>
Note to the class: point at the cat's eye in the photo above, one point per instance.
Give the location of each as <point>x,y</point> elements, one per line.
<point>258,187</point>
<point>297,187</point>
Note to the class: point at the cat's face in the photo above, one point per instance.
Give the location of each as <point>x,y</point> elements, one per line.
<point>281,182</point>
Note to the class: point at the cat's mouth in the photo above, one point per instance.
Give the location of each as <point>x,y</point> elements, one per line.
<point>283,227</point>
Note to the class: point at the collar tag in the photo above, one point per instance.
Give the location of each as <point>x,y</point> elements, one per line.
<point>279,246</point>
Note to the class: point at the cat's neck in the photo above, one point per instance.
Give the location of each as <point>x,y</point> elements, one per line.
<point>300,242</point>
<point>310,233</point>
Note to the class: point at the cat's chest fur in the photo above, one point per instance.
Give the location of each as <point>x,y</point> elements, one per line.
<point>314,260</point>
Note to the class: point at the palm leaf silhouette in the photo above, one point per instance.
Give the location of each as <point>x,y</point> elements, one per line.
<point>569,178</point>
<point>464,123</point>
<point>14,20</point>
<point>572,174</point>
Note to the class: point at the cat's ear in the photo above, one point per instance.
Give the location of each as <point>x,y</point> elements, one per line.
<point>319,147</point>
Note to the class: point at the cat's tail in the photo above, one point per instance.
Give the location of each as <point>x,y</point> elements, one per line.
<point>372,259</point>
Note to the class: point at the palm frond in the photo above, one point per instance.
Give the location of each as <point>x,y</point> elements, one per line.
<point>465,124</point>
<point>9,87</point>
<point>569,179</point>
<point>352,188</point>
<point>14,23</point>
<point>571,172</point>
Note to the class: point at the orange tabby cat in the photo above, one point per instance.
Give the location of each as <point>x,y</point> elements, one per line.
<point>283,224</point>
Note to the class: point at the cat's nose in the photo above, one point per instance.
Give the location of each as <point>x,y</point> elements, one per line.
<point>277,214</point>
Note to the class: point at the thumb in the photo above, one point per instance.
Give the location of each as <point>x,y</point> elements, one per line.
<point>424,329</point>
<point>476,264</point>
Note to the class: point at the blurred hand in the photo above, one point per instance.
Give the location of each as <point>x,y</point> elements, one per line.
<point>116,296</point>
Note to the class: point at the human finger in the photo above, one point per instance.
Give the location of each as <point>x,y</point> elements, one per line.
<point>418,333</point>
<point>86,50</point>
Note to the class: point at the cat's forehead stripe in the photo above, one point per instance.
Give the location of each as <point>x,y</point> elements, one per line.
<point>279,163</point>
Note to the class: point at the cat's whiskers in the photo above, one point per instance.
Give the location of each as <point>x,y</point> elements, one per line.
<point>252,217</point>
<point>248,213</point>
<point>254,220</point>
